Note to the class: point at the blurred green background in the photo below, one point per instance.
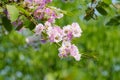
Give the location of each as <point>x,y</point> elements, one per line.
<point>99,44</point>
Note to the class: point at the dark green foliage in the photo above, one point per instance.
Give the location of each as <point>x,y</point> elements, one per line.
<point>27,23</point>
<point>7,24</point>
<point>96,5</point>
<point>101,10</point>
<point>114,21</point>
<point>89,14</point>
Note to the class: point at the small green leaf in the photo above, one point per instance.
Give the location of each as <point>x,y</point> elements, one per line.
<point>13,12</point>
<point>7,24</point>
<point>101,10</point>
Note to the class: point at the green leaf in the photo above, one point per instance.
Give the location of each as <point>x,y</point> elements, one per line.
<point>115,21</point>
<point>89,14</point>
<point>87,17</point>
<point>107,1</point>
<point>13,12</point>
<point>27,23</point>
<point>101,10</point>
<point>7,24</point>
<point>103,4</point>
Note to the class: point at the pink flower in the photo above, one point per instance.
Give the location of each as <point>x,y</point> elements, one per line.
<point>76,30</point>
<point>67,49</point>
<point>47,25</point>
<point>62,52</point>
<point>77,57</point>
<point>57,37</point>
<point>37,1</point>
<point>28,3</point>
<point>39,28</point>
<point>57,12</point>
<point>39,13</point>
<point>67,32</point>
<point>60,15</point>
<point>42,2</point>
<point>75,53</point>
<point>50,15</point>
<point>47,1</point>
<point>51,19</point>
<point>54,34</point>
<point>67,45</point>
<point>71,31</point>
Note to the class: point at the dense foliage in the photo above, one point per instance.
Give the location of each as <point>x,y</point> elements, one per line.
<point>99,43</point>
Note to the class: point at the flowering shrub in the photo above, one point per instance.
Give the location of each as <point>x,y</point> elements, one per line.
<point>57,35</point>
<point>42,17</point>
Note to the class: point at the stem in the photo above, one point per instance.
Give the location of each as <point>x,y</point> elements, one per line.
<point>33,20</point>
<point>58,44</point>
<point>114,6</point>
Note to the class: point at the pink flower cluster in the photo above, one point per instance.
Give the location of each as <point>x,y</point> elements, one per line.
<point>49,14</point>
<point>69,49</point>
<point>30,3</point>
<point>51,32</point>
<point>42,12</point>
<point>61,35</point>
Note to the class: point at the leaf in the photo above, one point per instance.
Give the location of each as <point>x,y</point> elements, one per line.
<point>103,4</point>
<point>7,24</point>
<point>13,12</point>
<point>89,14</point>
<point>87,17</point>
<point>101,10</point>
<point>107,1</point>
<point>115,21</point>
<point>27,23</point>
